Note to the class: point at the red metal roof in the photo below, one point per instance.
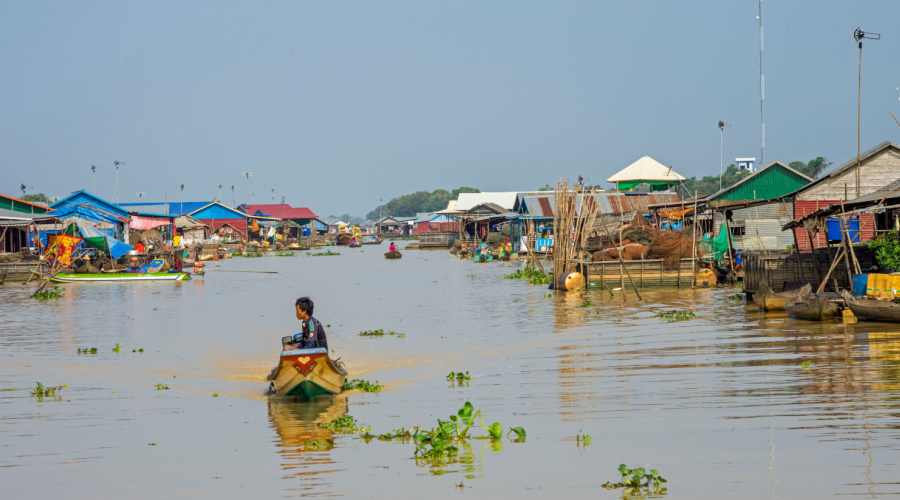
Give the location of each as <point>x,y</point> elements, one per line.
<point>276,210</point>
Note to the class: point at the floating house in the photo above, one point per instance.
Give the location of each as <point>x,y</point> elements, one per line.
<point>21,206</point>
<point>222,219</point>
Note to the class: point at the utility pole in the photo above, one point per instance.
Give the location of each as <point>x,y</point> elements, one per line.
<point>181,211</point>
<point>232,196</point>
<point>722,126</point>
<point>762,87</point>
<point>858,35</point>
<point>117,163</point>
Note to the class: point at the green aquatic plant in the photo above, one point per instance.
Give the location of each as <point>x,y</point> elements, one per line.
<point>636,478</point>
<point>583,439</point>
<point>459,376</point>
<point>326,253</point>
<point>40,390</point>
<point>440,442</point>
<point>215,395</point>
<point>534,276</point>
<point>345,425</point>
<point>138,350</point>
<point>805,365</point>
<point>380,333</point>
<point>284,254</point>
<point>316,444</point>
<point>86,350</point>
<point>53,293</point>
<point>401,434</point>
<point>161,387</point>
<point>586,303</point>
<point>117,348</point>
<point>736,297</point>
<point>363,385</point>
<point>672,316</point>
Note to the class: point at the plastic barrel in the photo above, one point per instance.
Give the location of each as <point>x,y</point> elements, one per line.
<point>860,281</point>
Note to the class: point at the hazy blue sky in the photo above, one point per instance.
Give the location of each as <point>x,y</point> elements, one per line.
<point>338,104</point>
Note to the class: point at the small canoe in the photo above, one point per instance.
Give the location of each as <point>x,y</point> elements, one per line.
<point>483,258</point>
<point>393,255</point>
<point>872,309</point>
<point>769,300</point>
<point>812,307</point>
<point>305,374</point>
<point>118,277</point>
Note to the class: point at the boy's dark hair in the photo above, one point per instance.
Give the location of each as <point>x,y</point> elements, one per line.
<point>305,304</point>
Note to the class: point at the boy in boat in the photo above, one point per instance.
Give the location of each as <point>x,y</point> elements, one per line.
<point>312,334</point>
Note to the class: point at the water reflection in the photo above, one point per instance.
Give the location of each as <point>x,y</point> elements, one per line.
<point>303,451</point>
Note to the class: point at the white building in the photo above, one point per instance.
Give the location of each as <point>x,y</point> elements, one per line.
<point>745,164</point>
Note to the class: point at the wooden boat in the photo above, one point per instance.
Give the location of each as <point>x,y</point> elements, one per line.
<point>354,244</point>
<point>305,374</point>
<point>393,255</point>
<point>483,257</point>
<point>371,241</point>
<point>343,239</point>
<point>811,306</point>
<point>769,300</point>
<point>872,309</point>
<point>117,277</point>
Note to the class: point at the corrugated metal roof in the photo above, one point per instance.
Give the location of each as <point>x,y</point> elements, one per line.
<point>608,203</point>
<point>847,166</point>
<point>506,199</point>
<point>216,210</point>
<point>772,181</point>
<point>277,210</point>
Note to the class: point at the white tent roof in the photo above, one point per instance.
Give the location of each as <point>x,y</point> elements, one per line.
<point>646,169</point>
<point>451,208</point>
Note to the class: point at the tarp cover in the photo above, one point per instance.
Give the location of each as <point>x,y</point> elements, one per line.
<point>101,239</point>
<point>84,213</point>
<point>143,223</point>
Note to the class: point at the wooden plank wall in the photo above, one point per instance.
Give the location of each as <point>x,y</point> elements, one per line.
<point>783,270</point>
<point>645,273</point>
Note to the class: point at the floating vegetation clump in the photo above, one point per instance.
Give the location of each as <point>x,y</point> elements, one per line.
<point>40,391</point>
<point>400,434</point>
<point>363,385</point>
<point>458,376</point>
<point>439,443</point>
<point>326,253</point>
<point>284,254</point>
<point>345,425</point>
<point>738,297</point>
<point>380,333</point>
<point>86,350</point>
<point>316,444</point>
<point>586,303</point>
<point>582,439</point>
<point>638,479</point>
<point>805,365</point>
<point>138,350</point>
<point>252,255</point>
<point>672,316</point>
<point>534,276</point>
<point>47,294</point>
<point>161,387</point>
<point>117,348</point>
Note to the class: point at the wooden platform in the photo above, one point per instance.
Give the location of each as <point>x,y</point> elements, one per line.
<point>785,270</point>
<point>437,240</point>
<point>645,273</point>
<point>17,271</point>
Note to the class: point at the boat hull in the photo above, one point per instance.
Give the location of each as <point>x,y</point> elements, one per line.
<point>811,307</point>
<point>873,310</point>
<point>768,300</point>
<point>306,374</point>
<point>119,277</point>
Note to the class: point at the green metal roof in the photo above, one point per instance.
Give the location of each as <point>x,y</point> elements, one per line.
<point>775,180</point>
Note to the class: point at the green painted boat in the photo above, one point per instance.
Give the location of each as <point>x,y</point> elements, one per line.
<point>306,374</point>
<point>118,277</point>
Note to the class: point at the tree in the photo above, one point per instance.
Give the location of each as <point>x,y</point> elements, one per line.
<point>710,184</point>
<point>409,205</point>
<point>812,168</point>
<point>37,198</point>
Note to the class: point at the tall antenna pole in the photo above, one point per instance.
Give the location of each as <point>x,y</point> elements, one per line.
<point>762,86</point>
<point>858,35</point>
<point>722,126</point>
<point>117,163</point>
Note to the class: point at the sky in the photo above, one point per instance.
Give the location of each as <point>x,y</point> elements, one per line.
<point>339,105</point>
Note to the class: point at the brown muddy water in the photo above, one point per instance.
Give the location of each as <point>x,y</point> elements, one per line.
<point>724,405</point>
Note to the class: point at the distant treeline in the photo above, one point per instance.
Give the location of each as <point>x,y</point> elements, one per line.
<point>409,205</point>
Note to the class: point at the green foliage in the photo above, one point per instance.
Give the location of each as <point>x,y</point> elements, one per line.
<point>672,316</point>
<point>737,297</point>
<point>401,434</point>
<point>316,444</point>
<point>887,250</point>
<point>409,205</point>
<point>46,294</point>
<point>534,276</point>
<point>458,376</point>
<point>710,184</point>
<point>86,350</point>
<point>327,253</point>
<point>40,391</point>
<point>380,333</point>
<point>586,303</point>
<point>284,254</point>
<point>345,425</point>
<point>440,442</point>
<point>805,365</point>
<point>249,255</point>
<point>215,395</point>
<point>36,198</point>
<point>117,348</point>
<point>363,385</point>
<point>637,478</point>
<point>161,387</point>
<point>582,439</point>
<point>138,350</point>
<point>812,168</point>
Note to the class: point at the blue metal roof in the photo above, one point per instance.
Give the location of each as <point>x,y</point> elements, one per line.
<point>83,198</point>
<point>216,210</point>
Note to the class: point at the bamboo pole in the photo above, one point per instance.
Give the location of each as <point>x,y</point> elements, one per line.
<point>833,265</point>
